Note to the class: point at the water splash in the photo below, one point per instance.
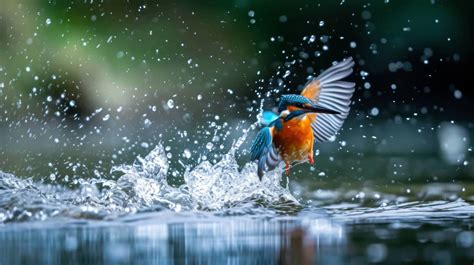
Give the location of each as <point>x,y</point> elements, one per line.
<point>143,186</point>
<point>219,189</point>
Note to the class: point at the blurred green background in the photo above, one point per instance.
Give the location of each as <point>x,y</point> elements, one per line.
<point>88,84</point>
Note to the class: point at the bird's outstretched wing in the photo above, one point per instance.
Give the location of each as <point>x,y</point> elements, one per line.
<point>329,91</point>
<point>264,151</point>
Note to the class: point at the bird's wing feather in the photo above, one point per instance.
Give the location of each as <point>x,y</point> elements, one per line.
<point>328,91</point>
<point>264,151</point>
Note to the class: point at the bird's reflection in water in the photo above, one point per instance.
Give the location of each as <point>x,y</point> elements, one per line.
<point>318,241</point>
<point>298,250</point>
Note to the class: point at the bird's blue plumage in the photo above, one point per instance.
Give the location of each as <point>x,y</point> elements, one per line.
<point>327,95</point>
<point>293,100</point>
<point>264,151</point>
<point>268,118</point>
<point>263,140</point>
<point>278,124</point>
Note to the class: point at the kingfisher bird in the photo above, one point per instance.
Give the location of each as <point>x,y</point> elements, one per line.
<point>316,114</point>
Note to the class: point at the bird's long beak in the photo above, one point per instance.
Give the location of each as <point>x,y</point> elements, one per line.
<point>309,109</point>
<point>318,109</point>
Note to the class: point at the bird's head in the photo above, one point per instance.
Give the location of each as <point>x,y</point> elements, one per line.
<point>292,106</point>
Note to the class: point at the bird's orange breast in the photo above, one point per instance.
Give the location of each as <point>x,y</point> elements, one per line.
<point>295,140</point>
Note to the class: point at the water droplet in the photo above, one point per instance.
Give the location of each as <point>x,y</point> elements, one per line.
<point>457,94</point>
<point>147,122</point>
<point>48,21</point>
<point>374,111</point>
<point>209,145</point>
<point>283,19</point>
<point>170,103</point>
<point>106,117</point>
<point>187,153</point>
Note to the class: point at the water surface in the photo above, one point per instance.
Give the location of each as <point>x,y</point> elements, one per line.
<point>223,214</point>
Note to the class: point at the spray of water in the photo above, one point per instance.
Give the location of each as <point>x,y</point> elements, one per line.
<point>220,188</point>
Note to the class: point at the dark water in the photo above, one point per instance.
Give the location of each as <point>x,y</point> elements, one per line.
<point>421,233</point>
